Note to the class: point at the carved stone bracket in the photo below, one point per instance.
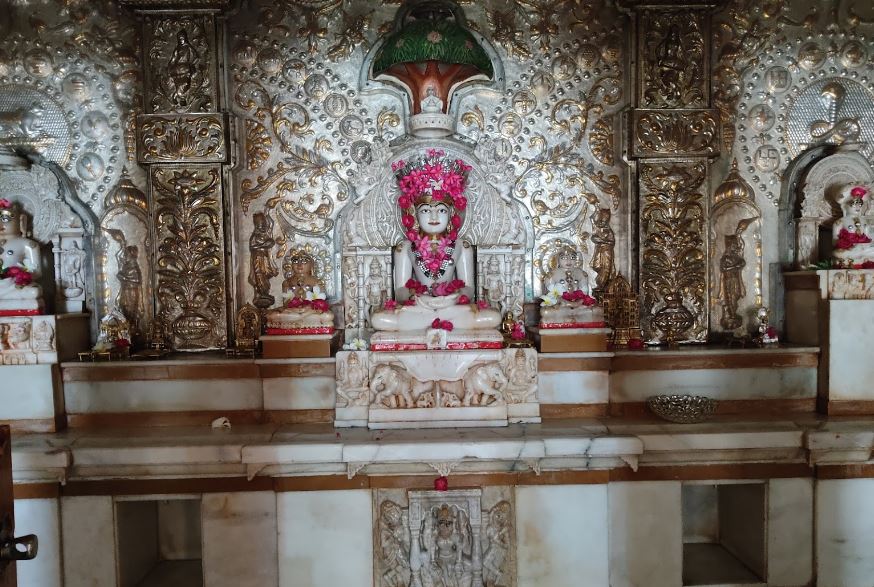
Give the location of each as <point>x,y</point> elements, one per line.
<point>672,133</point>
<point>177,138</point>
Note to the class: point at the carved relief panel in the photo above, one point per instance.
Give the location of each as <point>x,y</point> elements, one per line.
<point>181,72</point>
<point>187,215</point>
<point>736,266</point>
<point>455,537</point>
<point>673,55</point>
<point>673,251</point>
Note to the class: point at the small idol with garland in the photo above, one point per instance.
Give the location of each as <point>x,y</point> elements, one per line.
<point>434,270</point>
<point>20,294</point>
<point>854,231</point>
<point>304,326</point>
<point>570,318</point>
<point>306,308</point>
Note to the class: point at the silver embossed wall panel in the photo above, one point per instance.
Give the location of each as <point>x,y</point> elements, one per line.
<point>308,117</point>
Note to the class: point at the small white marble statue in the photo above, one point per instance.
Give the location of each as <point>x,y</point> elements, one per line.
<point>853,233</point>
<point>434,272</point>
<point>306,310</point>
<point>568,302</point>
<point>19,292</point>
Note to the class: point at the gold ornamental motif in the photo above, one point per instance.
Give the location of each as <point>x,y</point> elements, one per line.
<point>182,138</point>
<point>667,134</point>
<point>190,284</point>
<point>738,42</point>
<point>673,258</point>
<point>350,35</point>
<point>673,59</point>
<point>507,33</point>
<point>571,117</point>
<point>258,144</point>
<point>601,142</point>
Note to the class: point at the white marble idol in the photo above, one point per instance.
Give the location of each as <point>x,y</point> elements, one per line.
<point>19,255</point>
<point>434,271</point>
<point>853,233</point>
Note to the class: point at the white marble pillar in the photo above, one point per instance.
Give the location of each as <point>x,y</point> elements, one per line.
<point>562,535</point>
<point>325,538</point>
<point>790,532</point>
<point>239,539</point>
<point>88,538</point>
<point>40,517</point>
<point>646,534</point>
<point>845,532</point>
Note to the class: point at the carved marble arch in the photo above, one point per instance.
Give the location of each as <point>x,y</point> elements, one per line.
<point>388,85</point>
<point>817,209</point>
<point>736,283</point>
<point>368,228</point>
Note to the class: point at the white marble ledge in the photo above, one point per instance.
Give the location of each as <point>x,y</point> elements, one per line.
<point>841,442</point>
<point>701,351</point>
<point>305,361</point>
<point>41,458</point>
<point>717,441</point>
<point>483,450</point>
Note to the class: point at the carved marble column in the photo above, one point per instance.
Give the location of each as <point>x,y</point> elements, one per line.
<point>674,134</point>
<point>183,140</point>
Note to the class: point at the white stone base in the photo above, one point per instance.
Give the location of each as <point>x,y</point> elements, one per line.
<point>437,417</point>
<point>435,338</point>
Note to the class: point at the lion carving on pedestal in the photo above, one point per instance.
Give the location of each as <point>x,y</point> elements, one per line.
<point>484,385</point>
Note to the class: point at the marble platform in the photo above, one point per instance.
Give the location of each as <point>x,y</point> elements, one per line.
<point>624,502</point>
<point>834,309</point>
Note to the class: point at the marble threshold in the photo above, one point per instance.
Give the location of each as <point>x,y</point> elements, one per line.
<point>557,445</point>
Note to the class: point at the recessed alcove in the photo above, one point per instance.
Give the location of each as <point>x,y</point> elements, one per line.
<point>159,542</point>
<point>724,534</point>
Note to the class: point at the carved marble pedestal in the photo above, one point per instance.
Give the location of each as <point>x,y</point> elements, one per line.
<point>436,389</point>
<point>834,310</point>
<point>30,349</point>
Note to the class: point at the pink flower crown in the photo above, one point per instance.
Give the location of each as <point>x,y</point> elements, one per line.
<point>859,192</point>
<point>5,204</point>
<point>432,178</point>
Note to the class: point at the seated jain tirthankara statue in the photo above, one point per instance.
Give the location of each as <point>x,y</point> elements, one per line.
<point>853,233</point>
<point>434,270</point>
<point>306,309</point>
<point>20,295</point>
<point>567,303</point>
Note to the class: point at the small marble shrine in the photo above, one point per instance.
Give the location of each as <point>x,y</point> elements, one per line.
<point>436,293</point>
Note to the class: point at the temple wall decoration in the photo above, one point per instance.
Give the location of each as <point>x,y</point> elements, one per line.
<point>457,537</point>
<point>284,104</point>
<point>543,129</point>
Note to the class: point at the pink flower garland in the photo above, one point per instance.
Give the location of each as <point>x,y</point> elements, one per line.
<point>578,296</point>
<point>442,324</point>
<point>20,275</point>
<point>847,239</point>
<point>5,204</point>
<point>317,305</point>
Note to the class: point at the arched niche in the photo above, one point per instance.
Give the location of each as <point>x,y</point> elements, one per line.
<point>123,252</point>
<point>735,235</point>
<point>63,225</point>
<point>497,225</point>
<point>815,209</point>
